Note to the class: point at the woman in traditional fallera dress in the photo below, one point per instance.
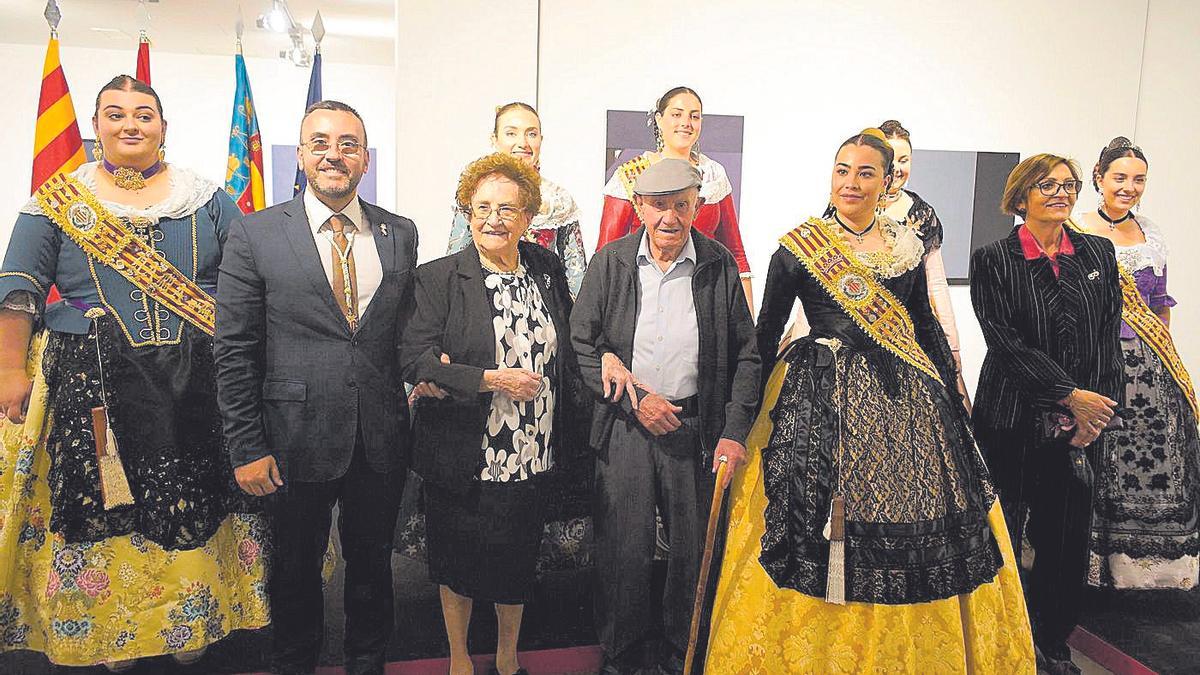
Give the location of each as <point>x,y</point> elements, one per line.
<point>867,535</point>
<point>905,206</point>
<point>676,122</point>
<point>122,533</point>
<point>1144,532</point>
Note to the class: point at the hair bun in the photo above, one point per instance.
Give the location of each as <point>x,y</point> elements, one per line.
<point>876,132</point>
<point>1119,142</point>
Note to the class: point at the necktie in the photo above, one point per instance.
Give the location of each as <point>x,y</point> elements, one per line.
<point>345,282</point>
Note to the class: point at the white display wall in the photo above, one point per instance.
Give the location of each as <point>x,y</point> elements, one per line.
<point>1022,75</point>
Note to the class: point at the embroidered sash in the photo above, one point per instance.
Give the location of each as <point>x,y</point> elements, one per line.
<point>1146,324</point>
<point>104,238</point>
<point>859,293</point>
<point>628,172</point>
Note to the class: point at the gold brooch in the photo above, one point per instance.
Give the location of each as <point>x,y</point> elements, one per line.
<point>129,179</point>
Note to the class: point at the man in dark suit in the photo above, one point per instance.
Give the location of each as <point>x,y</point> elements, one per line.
<point>315,414</point>
<point>661,315</point>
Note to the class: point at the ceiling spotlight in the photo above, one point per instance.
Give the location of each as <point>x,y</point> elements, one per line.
<point>278,19</point>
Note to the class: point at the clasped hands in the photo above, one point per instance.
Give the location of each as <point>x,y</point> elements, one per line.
<point>658,415</point>
<point>1092,413</point>
<point>519,384</point>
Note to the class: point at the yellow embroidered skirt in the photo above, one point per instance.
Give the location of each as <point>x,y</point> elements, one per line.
<point>762,629</point>
<point>122,597</point>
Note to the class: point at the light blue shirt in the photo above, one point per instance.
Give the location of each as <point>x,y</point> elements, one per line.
<point>666,340</point>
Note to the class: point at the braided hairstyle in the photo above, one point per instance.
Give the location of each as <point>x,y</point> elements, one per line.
<point>1116,149</point>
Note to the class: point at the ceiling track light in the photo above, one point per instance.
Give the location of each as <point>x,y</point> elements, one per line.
<point>278,19</point>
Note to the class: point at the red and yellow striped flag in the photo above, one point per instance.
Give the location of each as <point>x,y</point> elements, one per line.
<point>57,145</point>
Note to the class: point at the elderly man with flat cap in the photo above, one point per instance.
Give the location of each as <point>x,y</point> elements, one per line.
<point>663,333</point>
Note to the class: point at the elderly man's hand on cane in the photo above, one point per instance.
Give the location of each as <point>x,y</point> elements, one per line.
<point>732,455</point>
<point>731,452</point>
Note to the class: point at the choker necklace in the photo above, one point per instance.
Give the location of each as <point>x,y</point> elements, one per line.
<point>132,179</point>
<point>1112,224</point>
<point>857,235</point>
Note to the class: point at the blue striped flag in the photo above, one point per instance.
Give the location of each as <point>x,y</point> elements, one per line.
<point>314,95</point>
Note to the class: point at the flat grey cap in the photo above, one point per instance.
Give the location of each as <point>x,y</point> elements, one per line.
<point>666,176</point>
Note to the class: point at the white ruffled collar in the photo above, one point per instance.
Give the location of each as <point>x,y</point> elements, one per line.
<point>1151,253</point>
<point>714,182</point>
<point>558,208</point>
<point>904,253</point>
<point>189,193</point>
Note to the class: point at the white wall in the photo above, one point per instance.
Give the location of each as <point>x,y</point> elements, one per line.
<point>197,96</point>
<point>1022,75</point>
<point>1168,131</point>
<point>456,61</point>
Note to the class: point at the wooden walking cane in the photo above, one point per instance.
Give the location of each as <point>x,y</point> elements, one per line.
<point>714,515</point>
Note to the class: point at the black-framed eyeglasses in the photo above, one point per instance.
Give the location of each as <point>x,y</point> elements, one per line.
<point>485,211</point>
<point>1051,187</point>
<point>320,147</point>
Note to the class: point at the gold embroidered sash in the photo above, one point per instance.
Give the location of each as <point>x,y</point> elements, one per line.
<point>859,293</point>
<point>1146,324</point>
<point>104,238</point>
<point>628,172</point>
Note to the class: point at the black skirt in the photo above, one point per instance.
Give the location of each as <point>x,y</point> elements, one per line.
<point>895,444</point>
<point>162,406</point>
<point>484,544</point>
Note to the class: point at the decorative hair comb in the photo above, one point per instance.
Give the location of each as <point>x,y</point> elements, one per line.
<point>874,131</point>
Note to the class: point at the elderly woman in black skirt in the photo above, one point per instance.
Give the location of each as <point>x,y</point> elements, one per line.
<point>489,343</point>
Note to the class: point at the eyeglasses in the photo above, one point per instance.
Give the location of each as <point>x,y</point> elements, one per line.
<point>1050,187</point>
<point>485,211</point>
<point>319,147</point>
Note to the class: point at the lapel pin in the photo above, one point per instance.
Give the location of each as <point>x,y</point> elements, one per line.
<point>1094,275</point>
<point>383,229</point>
<point>547,278</point>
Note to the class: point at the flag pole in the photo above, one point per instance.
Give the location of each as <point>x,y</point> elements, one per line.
<point>314,91</point>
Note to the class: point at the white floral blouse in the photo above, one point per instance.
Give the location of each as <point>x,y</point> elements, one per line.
<point>516,442</point>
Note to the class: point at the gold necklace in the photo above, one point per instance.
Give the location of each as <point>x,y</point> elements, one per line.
<point>131,179</point>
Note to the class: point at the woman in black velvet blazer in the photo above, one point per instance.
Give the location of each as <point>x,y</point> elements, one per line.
<point>1049,304</point>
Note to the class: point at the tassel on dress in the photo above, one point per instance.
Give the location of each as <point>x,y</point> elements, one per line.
<point>114,485</point>
<point>835,531</point>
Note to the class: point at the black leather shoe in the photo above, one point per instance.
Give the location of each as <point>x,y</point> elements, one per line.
<point>1048,665</point>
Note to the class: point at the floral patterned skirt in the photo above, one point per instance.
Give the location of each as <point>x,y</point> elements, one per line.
<point>1146,530</point>
<point>758,627</point>
<point>122,597</point>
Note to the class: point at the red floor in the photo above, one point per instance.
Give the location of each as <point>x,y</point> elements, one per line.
<point>568,661</point>
<point>581,660</point>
